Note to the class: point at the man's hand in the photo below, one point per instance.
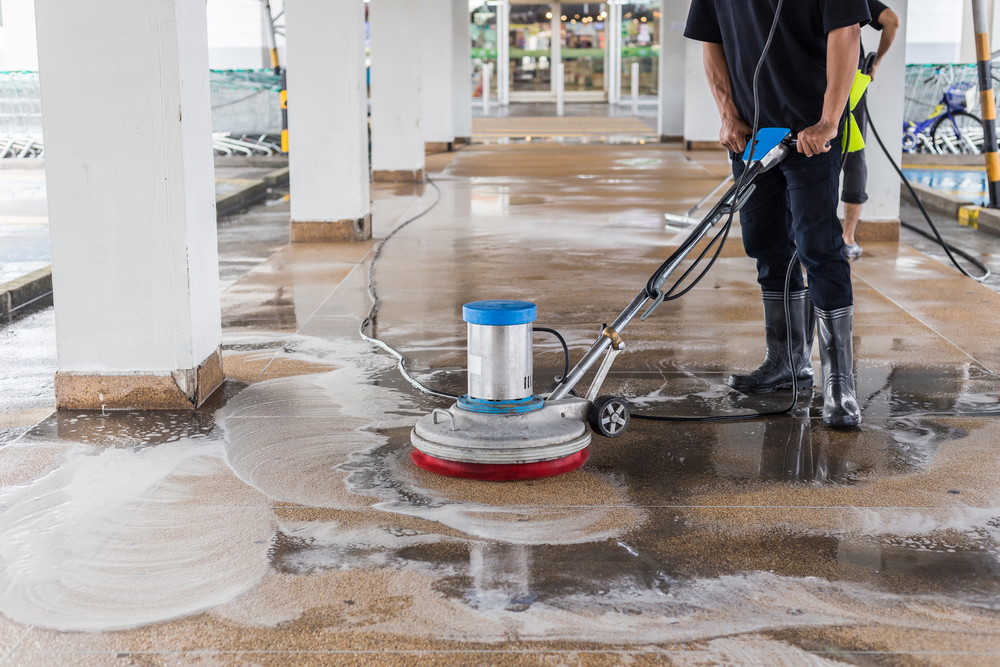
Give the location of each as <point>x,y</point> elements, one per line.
<point>734,133</point>
<point>814,140</point>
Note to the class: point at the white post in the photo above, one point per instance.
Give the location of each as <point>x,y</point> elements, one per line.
<point>462,71</point>
<point>503,53</point>
<point>436,53</point>
<point>397,137</point>
<point>560,86</point>
<point>612,39</point>
<point>670,123</point>
<point>702,122</point>
<point>327,120</point>
<point>131,203</point>
<point>880,214</point>
<point>486,76</point>
<point>635,88</point>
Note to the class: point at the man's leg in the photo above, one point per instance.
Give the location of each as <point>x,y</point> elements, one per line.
<point>765,221</point>
<point>812,189</point>
<point>853,196</point>
<point>855,182</point>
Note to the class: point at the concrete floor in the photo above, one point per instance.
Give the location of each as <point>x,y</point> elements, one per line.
<point>283,523</point>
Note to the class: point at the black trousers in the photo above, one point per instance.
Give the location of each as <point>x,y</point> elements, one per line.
<point>795,207</point>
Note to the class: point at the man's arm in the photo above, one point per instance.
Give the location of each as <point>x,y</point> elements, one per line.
<point>734,132</point>
<point>890,25</point>
<point>842,48</point>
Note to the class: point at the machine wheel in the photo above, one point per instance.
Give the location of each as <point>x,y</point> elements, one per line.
<point>609,416</point>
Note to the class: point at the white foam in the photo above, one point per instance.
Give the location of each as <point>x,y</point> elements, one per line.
<point>113,538</point>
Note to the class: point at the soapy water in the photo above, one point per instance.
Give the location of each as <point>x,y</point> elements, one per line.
<point>109,517</point>
<point>114,538</point>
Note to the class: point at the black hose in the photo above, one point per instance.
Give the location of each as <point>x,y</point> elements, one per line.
<point>565,348</point>
<point>948,248</point>
<point>791,362</point>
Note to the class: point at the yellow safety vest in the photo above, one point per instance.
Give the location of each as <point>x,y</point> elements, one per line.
<point>852,140</point>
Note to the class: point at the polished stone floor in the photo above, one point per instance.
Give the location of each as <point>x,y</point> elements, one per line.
<point>283,523</point>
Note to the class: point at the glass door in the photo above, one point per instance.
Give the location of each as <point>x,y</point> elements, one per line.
<point>640,43</point>
<point>484,50</point>
<point>530,51</point>
<point>582,40</point>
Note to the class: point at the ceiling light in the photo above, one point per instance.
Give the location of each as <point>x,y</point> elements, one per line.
<point>548,15</point>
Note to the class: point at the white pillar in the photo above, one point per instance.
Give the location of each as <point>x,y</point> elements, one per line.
<point>673,58</point>
<point>20,51</point>
<point>437,76</point>
<point>880,214</point>
<point>462,70</point>
<point>555,44</point>
<point>327,120</point>
<point>131,197</point>
<point>397,137</point>
<point>702,122</point>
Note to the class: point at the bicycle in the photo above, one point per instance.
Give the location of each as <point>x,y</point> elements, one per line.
<point>953,129</point>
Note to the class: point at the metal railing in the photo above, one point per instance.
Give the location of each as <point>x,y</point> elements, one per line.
<point>246,113</point>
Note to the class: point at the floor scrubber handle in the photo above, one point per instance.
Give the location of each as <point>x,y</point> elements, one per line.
<point>731,202</point>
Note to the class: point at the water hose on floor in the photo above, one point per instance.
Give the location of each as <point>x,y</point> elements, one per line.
<point>948,248</point>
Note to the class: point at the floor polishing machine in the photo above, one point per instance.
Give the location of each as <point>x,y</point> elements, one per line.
<point>501,429</point>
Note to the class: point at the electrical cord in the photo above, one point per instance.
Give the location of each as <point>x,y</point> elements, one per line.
<point>948,248</point>
<point>565,348</point>
<point>373,295</point>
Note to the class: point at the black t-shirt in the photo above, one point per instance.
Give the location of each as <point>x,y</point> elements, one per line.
<point>793,77</point>
<point>875,8</point>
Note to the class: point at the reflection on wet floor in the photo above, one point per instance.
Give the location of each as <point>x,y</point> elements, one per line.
<point>285,516</point>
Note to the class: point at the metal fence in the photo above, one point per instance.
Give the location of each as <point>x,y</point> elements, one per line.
<point>245,103</point>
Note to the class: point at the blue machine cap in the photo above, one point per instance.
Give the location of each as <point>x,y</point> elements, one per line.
<point>499,312</point>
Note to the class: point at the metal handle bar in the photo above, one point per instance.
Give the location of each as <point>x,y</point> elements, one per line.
<point>731,201</point>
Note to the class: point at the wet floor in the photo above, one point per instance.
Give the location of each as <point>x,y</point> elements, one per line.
<point>284,522</point>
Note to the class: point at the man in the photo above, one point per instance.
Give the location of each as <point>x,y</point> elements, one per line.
<point>804,84</point>
<point>855,170</point>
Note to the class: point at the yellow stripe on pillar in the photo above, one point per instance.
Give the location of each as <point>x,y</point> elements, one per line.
<point>987,105</point>
<point>983,46</point>
<point>993,167</point>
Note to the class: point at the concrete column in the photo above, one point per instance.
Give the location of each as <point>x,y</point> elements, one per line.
<point>328,120</point>
<point>702,122</point>
<point>20,51</point>
<point>880,214</point>
<point>397,135</point>
<point>673,63</point>
<point>437,75</point>
<point>462,70</point>
<point>131,198</point>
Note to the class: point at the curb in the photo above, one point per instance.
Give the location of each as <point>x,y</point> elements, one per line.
<point>250,192</point>
<point>275,161</point>
<point>24,291</point>
<point>276,177</point>
<point>934,200</point>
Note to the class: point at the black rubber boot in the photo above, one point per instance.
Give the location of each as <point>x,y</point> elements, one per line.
<point>776,371</point>
<point>836,353</point>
